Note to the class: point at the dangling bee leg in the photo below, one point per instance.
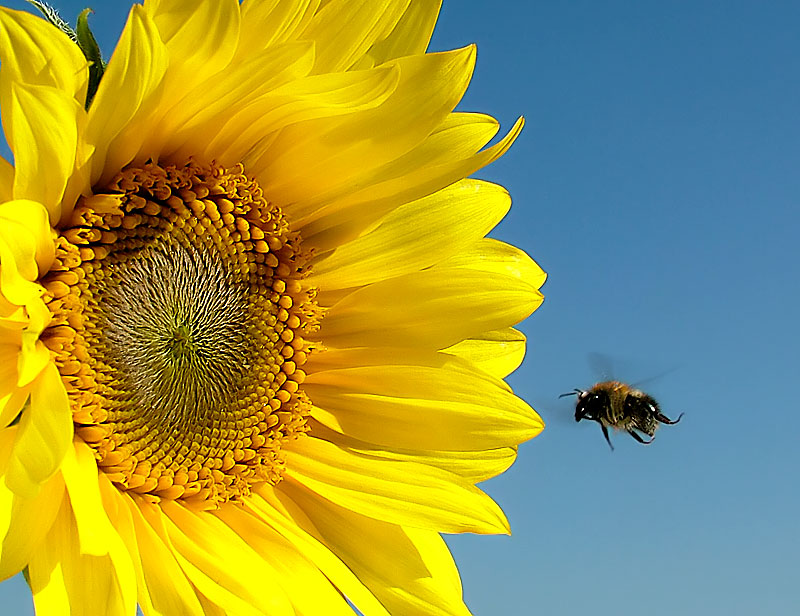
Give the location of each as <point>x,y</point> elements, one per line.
<point>666,420</point>
<point>605,433</point>
<point>639,438</point>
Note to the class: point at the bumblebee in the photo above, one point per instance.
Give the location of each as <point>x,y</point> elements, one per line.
<point>614,404</point>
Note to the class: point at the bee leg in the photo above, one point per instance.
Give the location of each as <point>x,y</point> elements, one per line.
<point>639,438</point>
<point>666,420</point>
<point>605,433</point>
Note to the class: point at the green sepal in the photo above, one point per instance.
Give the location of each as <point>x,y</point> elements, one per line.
<point>51,15</point>
<point>85,40</point>
<point>91,50</point>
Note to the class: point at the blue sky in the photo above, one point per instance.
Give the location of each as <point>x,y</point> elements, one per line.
<point>656,182</point>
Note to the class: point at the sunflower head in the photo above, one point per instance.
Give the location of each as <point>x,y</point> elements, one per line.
<point>179,323</point>
<point>252,334</point>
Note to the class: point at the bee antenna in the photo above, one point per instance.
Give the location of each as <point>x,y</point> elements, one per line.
<point>666,420</point>
<point>577,392</point>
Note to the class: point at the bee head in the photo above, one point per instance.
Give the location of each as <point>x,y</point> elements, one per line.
<point>591,404</point>
<point>581,395</point>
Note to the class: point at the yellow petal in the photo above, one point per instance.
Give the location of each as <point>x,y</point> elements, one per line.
<point>8,384</point>
<point>12,396</point>
<point>266,24</point>
<point>311,159</point>
<point>210,105</point>
<point>44,138</point>
<point>115,504</point>
<point>304,100</point>
<point>439,593</point>
<point>33,52</point>
<point>402,493</point>
<point>203,543</point>
<point>421,580</point>
<point>222,601</point>
<point>168,588</point>
<point>129,88</point>
<point>460,135</point>
<point>12,404</point>
<point>24,522</point>
<point>96,535</point>
<point>43,437</point>
<point>473,466</point>
<point>12,317</point>
<point>9,349</point>
<point>64,581</point>
<point>34,356</point>
<point>496,257</point>
<point>6,180</point>
<point>266,505</point>
<point>431,309</point>
<point>29,218</point>
<point>200,38</point>
<point>410,238</point>
<point>81,477</point>
<point>446,156</point>
<point>209,608</point>
<point>343,30</point>
<point>310,591</point>
<point>498,352</point>
<point>410,35</point>
<point>435,402</point>
<point>26,249</point>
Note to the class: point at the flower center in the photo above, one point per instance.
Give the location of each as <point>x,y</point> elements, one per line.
<point>173,324</point>
<point>179,331</point>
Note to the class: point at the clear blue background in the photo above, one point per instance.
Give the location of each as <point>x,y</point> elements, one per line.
<point>657,183</point>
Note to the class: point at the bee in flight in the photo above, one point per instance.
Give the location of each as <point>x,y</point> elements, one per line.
<point>614,404</point>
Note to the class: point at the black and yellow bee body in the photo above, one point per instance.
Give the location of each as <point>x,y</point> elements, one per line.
<point>614,404</point>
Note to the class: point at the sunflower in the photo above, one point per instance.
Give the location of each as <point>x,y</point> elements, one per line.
<point>252,334</point>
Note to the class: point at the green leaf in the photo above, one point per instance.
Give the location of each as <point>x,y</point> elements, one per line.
<point>91,50</point>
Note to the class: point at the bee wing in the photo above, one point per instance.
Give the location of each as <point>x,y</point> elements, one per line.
<point>601,365</point>
<point>640,383</point>
<point>607,369</point>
